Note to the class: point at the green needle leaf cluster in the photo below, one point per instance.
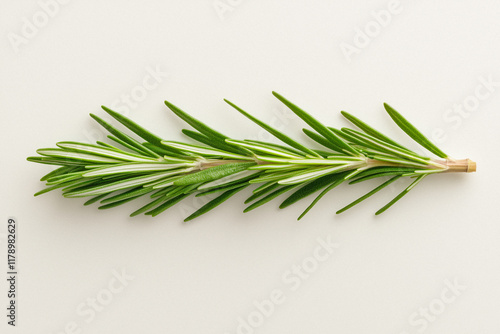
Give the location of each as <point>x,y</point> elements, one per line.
<point>219,166</point>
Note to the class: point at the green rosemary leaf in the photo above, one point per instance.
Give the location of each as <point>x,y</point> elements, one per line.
<point>141,153</point>
<point>75,156</point>
<point>168,204</point>
<point>161,192</point>
<point>389,172</point>
<point>269,197</point>
<point>318,126</point>
<point>221,189</point>
<point>320,196</point>
<point>101,151</point>
<point>413,132</point>
<point>134,127</point>
<point>72,183</point>
<point>130,147</point>
<point>371,131</point>
<point>65,177</point>
<point>398,197</point>
<point>204,151</point>
<point>383,169</point>
<point>281,147</point>
<point>311,175</point>
<point>362,198</point>
<point>330,161</point>
<point>386,148</point>
<point>121,137</point>
<point>213,173</point>
<point>60,171</point>
<point>135,192</point>
<point>178,190</point>
<point>351,139</point>
<point>167,182</point>
<point>263,187</point>
<point>95,199</point>
<point>274,167</point>
<point>56,162</point>
<point>279,175</point>
<point>272,159</point>
<point>242,176</point>
<point>262,148</point>
<point>215,202</point>
<point>311,188</point>
<point>324,153</point>
<point>117,203</point>
<point>262,190</point>
<point>353,173</point>
<point>322,140</point>
<point>429,171</point>
<point>195,123</point>
<point>278,134</point>
<point>162,151</point>
<point>149,206</point>
<point>109,146</point>
<point>374,176</point>
<point>47,189</point>
<point>397,161</point>
<point>215,143</point>
<point>80,184</point>
<point>127,168</point>
<point>118,185</point>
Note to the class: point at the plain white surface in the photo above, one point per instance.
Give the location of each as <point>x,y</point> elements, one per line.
<point>204,276</point>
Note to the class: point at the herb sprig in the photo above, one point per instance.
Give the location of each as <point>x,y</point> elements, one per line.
<point>169,171</point>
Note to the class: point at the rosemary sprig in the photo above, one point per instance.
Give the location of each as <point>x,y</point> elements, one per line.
<point>170,171</point>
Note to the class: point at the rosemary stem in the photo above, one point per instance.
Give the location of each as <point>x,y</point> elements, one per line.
<point>457,166</point>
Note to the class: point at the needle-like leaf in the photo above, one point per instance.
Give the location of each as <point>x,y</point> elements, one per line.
<point>311,188</point>
<point>135,192</point>
<point>214,203</point>
<point>162,207</point>
<point>371,131</point>
<point>320,196</point>
<point>413,132</point>
<point>269,197</point>
<point>123,138</point>
<point>213,173</point>
<point>262,190</point>
<point>404,192</point>
<point>362,198</point>
<point>318,126</point>
<point>321,140</point>
<point>278,134</point>
<point>95,199</point>
<point>221,145</point>
<point>134,127</point>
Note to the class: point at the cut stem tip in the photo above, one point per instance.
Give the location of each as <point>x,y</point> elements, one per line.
<point>462,165</point>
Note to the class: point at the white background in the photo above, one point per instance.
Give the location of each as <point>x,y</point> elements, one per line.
<point>201,277</point>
